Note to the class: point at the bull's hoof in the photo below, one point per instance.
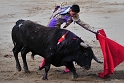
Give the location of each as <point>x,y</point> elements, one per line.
<point>18,68</point>
<point>75,76</point>
<point>44,78</point>
<point>27,71</point>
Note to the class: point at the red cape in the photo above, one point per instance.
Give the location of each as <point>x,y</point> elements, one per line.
<point>113,53</point>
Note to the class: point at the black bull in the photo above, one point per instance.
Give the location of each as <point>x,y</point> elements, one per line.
<point>29,36</point>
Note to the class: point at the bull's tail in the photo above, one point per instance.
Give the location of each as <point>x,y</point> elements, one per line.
<point>15,29</point>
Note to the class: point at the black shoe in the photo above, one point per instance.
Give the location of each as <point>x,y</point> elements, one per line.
<point>40,68</point>
<point>66,72</point>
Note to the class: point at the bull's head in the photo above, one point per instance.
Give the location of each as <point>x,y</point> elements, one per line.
<point>85,55</point>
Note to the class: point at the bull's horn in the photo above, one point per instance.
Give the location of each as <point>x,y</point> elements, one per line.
<point>83,44</point>
<point>96,59</point>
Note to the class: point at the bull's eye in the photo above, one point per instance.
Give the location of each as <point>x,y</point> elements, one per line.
<point>86,54</point>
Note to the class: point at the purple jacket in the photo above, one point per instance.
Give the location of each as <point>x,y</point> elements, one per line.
<point>61,15</point>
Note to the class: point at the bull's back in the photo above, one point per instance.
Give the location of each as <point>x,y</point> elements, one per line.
<point>43,40</point>
<point>38,37</point>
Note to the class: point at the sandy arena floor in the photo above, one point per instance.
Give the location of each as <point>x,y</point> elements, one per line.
<point>101,14</point>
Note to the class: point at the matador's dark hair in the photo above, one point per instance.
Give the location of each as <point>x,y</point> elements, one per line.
<point>75,8</point>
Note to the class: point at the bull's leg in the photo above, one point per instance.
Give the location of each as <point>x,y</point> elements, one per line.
<point>71,67</point>
<point>16,50</point>
<point>69,64</point>
<point>47,68</point>
<point>24,51</point>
